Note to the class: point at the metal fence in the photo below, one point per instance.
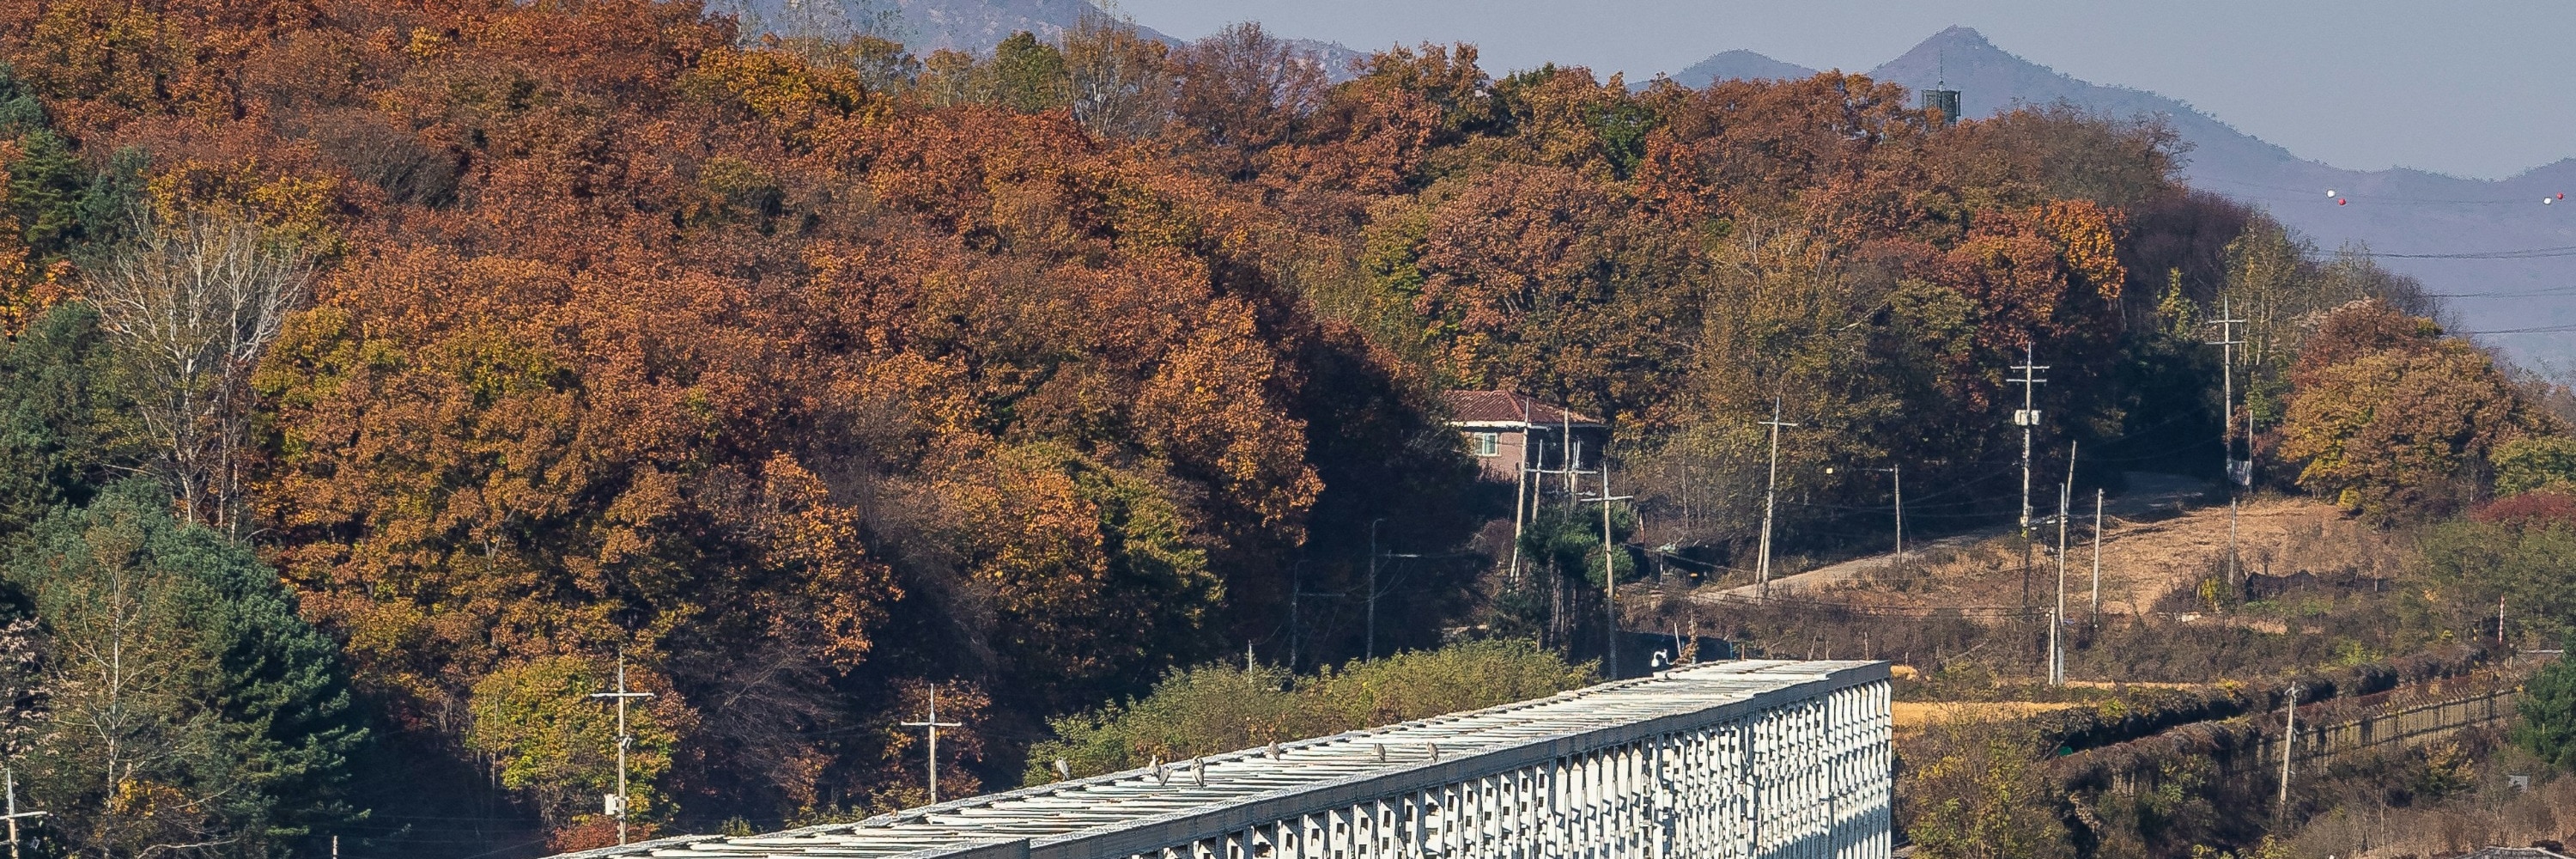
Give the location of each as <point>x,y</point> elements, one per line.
<point>2397,723</point>
<point>1726,760</point>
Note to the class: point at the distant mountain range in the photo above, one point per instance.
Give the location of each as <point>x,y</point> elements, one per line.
<point>2400,211</point>
<point>2396,211</point>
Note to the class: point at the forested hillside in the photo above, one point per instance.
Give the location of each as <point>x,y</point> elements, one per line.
<point>379,374</point>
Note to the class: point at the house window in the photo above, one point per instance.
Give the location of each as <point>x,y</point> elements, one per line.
<point>1488,443</point>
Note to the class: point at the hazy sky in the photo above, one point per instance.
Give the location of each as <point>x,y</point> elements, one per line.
<point>2475,89</point>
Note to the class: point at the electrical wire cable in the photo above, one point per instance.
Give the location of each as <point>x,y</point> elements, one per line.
<point>2542,329</point>
<point>2517,253</point>
<point>2367,197</point>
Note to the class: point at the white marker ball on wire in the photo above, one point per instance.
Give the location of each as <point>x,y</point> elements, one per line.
<point>2330,193</point>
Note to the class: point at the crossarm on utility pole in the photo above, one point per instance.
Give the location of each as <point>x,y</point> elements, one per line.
<point>621,696</point>
<point>1609,568</point>
<point>10,776</point>
<point>932,725</point>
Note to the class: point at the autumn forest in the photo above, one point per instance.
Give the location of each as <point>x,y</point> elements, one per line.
<point>380,374</point>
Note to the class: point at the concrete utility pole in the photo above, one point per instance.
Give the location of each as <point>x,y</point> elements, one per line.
<point>10,776</point>
<point>2097,556</point>
<point>1609,569</point>
<point>1897,472</point>
<point>2057,615</point>
<point>2289,736</point>
<point>932,726</point>
<point>2027,418</point>
<point>617,804</point>
<point>2236,475</point>
<point>1297,596</point>
<point>1520,493</point>
<point>1370,648</point>
<point>2064,494</point>
<point>1520,516</point>
<point>1770,495</point>
<point>1573,452</point>
<point>2056,659</point>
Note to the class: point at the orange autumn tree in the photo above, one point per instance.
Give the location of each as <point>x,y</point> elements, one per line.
<point>811,384</point>
<point>794,376</point>
<point>2391,419</point>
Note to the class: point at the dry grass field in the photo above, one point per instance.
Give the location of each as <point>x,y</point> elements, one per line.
<point>1914,717</point>
<point>2141,562</point>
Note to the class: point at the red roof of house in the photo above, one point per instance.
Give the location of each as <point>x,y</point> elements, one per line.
<point>1489,407</point>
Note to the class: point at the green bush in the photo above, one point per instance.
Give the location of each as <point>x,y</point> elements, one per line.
<point>1221,708</point>
<point>2541,462</point>
<point>2548,710</point>
<point>1982,791</point>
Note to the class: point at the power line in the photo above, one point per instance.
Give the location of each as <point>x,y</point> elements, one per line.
<point>2311,194</point>
<point>2520,253</point>
<point>2545,329</point>
<point>2543,292</point>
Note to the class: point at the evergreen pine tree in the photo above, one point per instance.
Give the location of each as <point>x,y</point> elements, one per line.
<point>188,702</point>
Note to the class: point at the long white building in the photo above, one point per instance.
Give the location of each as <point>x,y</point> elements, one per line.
<point>1727,759</point>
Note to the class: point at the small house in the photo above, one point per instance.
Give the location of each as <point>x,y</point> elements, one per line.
<point>1505,431</point>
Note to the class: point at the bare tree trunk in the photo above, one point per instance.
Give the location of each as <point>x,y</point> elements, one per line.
<point>194,303</point>
<point>1121,86</point>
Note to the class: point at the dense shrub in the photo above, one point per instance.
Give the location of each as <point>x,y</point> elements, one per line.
<point>1219,708</point>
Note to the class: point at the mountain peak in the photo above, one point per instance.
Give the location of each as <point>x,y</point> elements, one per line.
<point>1739,64</point>
<point>1958,35</point>
<point>1952,55</point>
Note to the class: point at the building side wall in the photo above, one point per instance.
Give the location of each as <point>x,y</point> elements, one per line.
<point>1511,446</point>
<point>1541,447</point>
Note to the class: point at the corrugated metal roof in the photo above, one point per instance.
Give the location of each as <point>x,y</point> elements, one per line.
<point>1138,809</point>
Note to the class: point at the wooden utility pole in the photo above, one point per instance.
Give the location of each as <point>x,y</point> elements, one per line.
<point>10,776</point>
<point>1770,496</point>
<point>932,726</point>
<point>617,805</point>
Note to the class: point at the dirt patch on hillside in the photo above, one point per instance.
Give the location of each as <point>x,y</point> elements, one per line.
<point>1913,717</point>
<point>2141,563</point>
